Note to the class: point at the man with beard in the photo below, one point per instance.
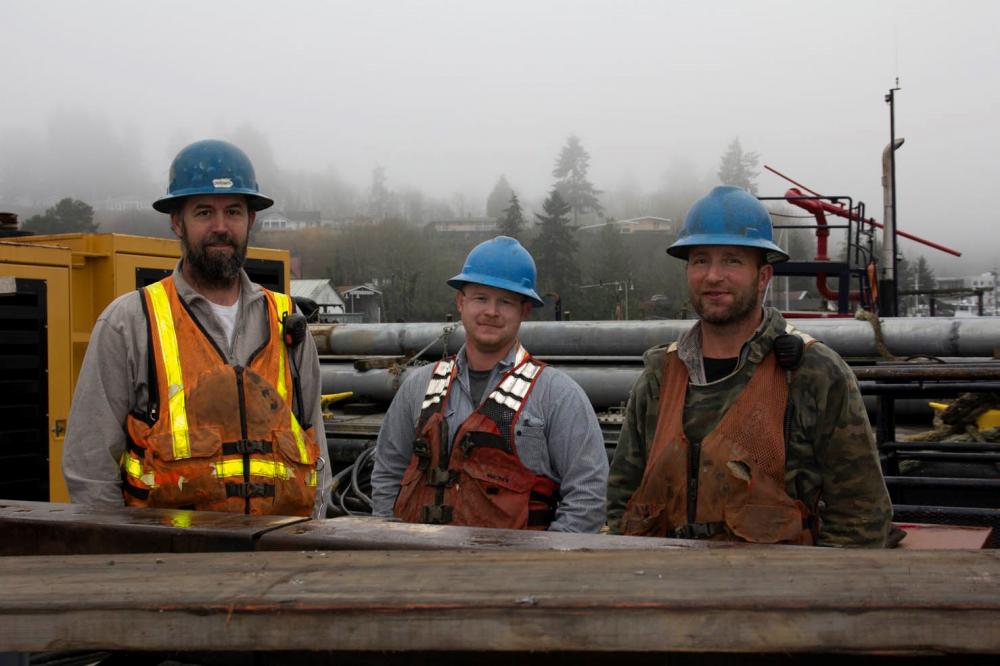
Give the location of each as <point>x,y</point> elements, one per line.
<point>200,391</point>
<point>745,429</point>
<point>492,437</point>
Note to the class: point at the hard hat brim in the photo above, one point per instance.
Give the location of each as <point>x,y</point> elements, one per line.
<point>463,279</point>
<point>169,203</point>
<point>772,253</point>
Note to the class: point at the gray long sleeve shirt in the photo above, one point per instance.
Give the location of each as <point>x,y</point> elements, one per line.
<point>556,434</point>
<point>114,381</point>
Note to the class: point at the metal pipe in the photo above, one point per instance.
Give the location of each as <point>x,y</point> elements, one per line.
<point>903,336</point>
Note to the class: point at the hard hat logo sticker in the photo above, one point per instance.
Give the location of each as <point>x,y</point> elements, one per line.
<point>222,182</point>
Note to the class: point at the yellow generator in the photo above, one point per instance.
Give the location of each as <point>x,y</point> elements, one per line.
<point>52,289</point>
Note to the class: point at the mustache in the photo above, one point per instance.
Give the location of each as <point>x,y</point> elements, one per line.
<point>222,238</point>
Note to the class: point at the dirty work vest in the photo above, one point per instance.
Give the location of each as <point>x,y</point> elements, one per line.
<point>731,486</point>
<point>217,437</point>
<point>481,481</point>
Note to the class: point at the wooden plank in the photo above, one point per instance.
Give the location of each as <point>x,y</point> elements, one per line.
<point>723,600</point>
<point>43,528</point>
<point>366,533</point>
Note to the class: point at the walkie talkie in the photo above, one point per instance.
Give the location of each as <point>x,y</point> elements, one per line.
<point>788,350</point>
<point>293,332</point>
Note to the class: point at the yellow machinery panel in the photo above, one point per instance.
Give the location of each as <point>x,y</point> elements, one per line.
<point>36,385</point>
<point>100,268</point>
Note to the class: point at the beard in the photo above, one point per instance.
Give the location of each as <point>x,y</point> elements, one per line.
<point>215,269</point>
<point>744,304</point>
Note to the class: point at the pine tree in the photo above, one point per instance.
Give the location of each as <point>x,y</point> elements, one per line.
<point>739,168</point>
<point>512,221</point>
<point>555,249</point>
<point>498,197</point>
<point>571,170</point>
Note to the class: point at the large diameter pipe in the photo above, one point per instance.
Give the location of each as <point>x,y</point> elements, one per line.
<point>904,336</point>
<point>604,386</point>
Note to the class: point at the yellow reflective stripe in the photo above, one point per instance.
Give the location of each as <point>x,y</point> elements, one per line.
<point>283,306</point>
<point>133,466</point>
<point>172,364</point>
<point>313,478</point>
<point>265,468</point>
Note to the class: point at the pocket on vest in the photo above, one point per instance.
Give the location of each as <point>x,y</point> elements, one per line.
<point>192,479</point>
<point>761,523</point>
<point>645,519</point>
<point>293,492</point>
<point>492,494</point>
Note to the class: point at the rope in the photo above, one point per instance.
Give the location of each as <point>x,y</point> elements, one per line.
<point>876,324</point>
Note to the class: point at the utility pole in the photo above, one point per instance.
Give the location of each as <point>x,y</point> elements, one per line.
<point>887,285</point>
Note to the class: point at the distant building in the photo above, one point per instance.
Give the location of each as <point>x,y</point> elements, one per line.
<point>645,224</point>
<point>362,299</point>
<point>276,220</point>
<point>969,304</point>
<point>323,293</point>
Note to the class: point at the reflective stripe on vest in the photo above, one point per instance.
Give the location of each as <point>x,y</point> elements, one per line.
<point>437,387</point>
<point>283,306</point>
<point>172,363</point>
<point>266,468</point>
<point>133,467</point>
<point>512,390</point>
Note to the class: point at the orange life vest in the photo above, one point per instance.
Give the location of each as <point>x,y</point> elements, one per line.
<point>730,486</point>
<point>481,481</point>
<point>217,437</point>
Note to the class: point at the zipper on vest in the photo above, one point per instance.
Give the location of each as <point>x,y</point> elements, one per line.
<point>243,432</point>
<point>694,461</point>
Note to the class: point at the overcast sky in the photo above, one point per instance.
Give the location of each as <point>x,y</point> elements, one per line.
<point>449,95</point>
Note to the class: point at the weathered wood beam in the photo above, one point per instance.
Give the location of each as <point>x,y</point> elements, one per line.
<point>721,600</point>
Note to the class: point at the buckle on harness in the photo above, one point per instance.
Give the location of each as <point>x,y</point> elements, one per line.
<point>436,514</point>
<point>696,531</point>
<point>246,447</point>
<point>249,490</point>
<point>441,477</point>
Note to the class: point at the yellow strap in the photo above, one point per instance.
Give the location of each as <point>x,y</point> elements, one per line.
<point>265,468</point>
<point>172,363</point>
<point>283,305</point>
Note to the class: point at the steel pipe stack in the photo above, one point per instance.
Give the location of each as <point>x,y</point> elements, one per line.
<point>903,336</point>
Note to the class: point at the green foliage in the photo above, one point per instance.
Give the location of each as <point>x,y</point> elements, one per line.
<point>554,251</point>
<point>739,168</point>
<point>512,223</point>
<point>67,216</point>
<point>571,171</point>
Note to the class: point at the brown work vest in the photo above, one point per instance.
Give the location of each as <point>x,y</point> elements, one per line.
<point>481,481</point>
<point>217,437</point>
<point>740,471</point>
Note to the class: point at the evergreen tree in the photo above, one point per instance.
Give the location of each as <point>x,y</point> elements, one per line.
<point>739,168</point>
<point>498,197</point>
<point>555,250</point>
<point>512,221</point>
<point>571,170</point>
<point>69,215</point>
<point>379,196</point>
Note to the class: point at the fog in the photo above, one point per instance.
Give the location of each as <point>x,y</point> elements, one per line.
<point>447,96</point>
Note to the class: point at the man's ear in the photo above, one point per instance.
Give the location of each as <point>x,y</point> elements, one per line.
<point>176,223</point>
<point>526,307</point>
<point>764,276</point>
<point>458,300</point>
<point>252,216</point>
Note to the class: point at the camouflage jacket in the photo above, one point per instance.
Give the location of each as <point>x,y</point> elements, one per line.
<point>831,449</point>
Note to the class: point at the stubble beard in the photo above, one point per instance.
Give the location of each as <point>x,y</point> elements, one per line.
<point>216,270</point>
<point>743,307</point>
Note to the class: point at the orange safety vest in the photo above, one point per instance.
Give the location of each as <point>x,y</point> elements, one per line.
<point>217,437</point>
<point>482,481</point>
<point>730,486</point>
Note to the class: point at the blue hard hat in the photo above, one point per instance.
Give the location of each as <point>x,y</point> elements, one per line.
<point>212,167</point>
<point>728,216</point>
<point>502,263</point>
